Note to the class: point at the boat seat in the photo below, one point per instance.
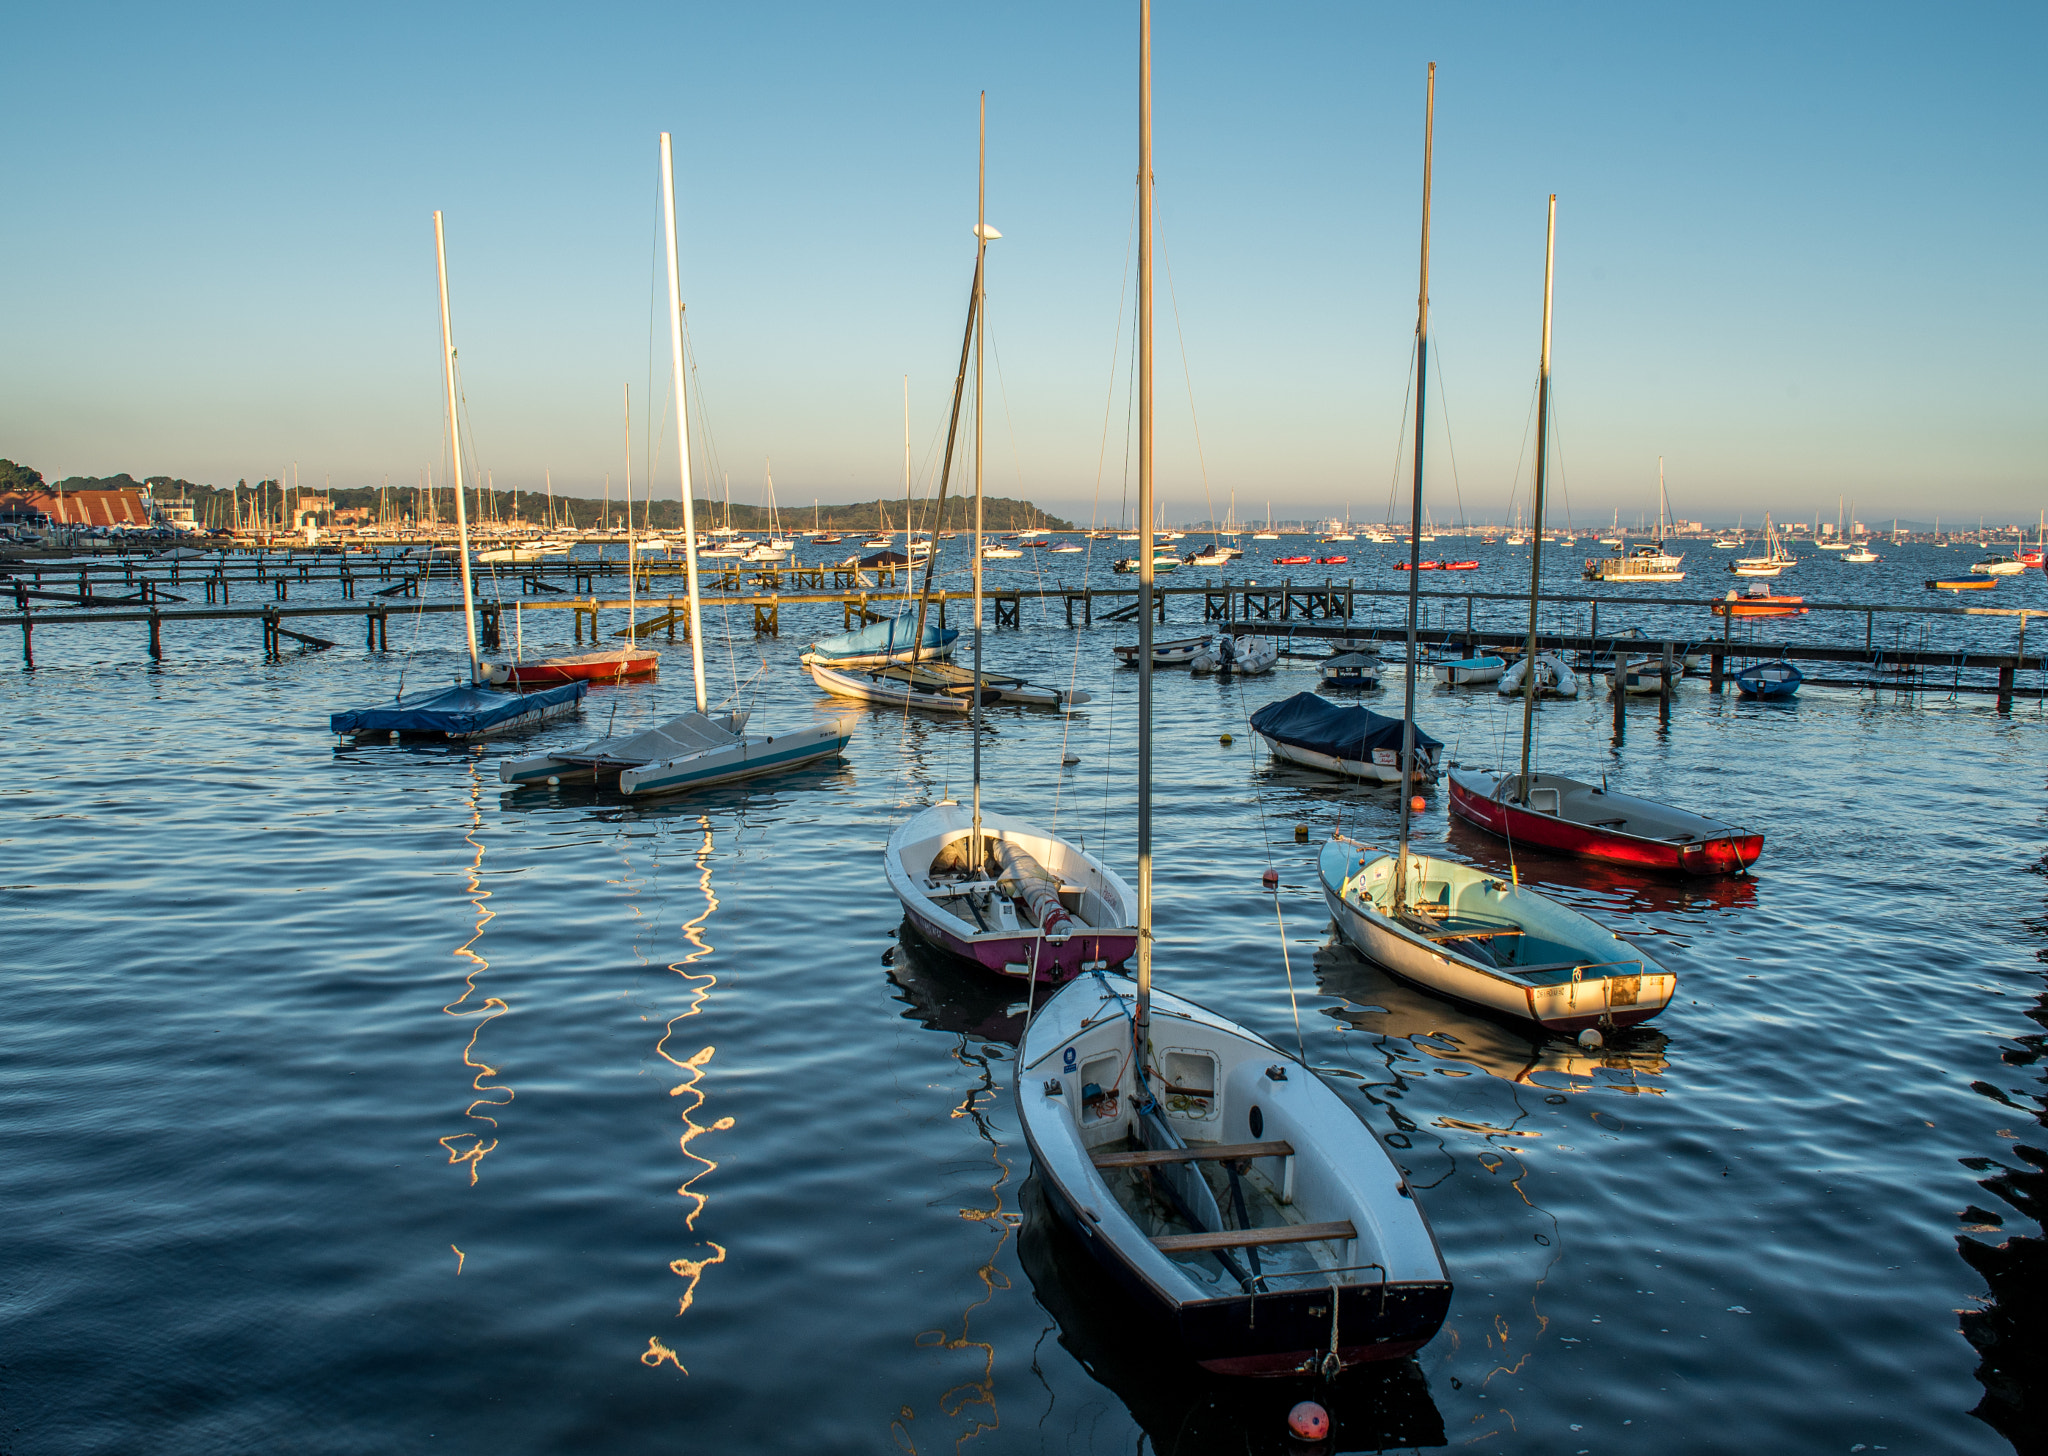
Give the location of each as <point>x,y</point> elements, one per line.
<point>1219,1152</point>
<point>1449,927</point>
<point>1608,823</point>
<point>1292,1233</point>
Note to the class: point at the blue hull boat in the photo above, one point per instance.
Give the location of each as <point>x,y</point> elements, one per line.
<point>461,711</point>
<point>1776,679</point>
<point>881,642</point>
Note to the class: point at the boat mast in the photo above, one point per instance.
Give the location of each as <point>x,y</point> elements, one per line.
<point>455,448</point>
<point>632,561</point>
<point>981,235</point>
<point>931,561</point>
<point>675,356</point>
<point>1536,546</point>
<point>1141,1022</point>
<point>1415,510</point>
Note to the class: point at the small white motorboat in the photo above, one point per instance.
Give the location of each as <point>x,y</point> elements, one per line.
<point>1553,678</point>
<point>1035,906</point>
<point>1468,933</point>
<point>1249,655</point>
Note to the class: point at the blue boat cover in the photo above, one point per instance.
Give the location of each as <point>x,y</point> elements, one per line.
<point>1321,726</point>
<point>894,635</point>
<point>459,710</point>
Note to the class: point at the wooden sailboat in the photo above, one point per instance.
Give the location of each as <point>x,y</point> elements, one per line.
<point>472,709</point>
<point>1561,814</point>
<point>1148,1116</point>
<point>993,888</point>
<point>693,749</point>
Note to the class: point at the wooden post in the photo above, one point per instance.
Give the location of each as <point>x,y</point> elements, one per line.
<point>1714,672</point>
<point>156,634</point>
<point>1620,691</point>
<point>2005,674</point>
<point>1665,688</point>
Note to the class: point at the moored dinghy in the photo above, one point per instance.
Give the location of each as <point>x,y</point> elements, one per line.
<point>1776,679</point>
<point>1470,934</point>
<point>1566,816</point>
<point>1249,655</point>
<point>1034,907</point>
<point>894,640</point>
<point>1149,1116</point>
<point>1553,678</point>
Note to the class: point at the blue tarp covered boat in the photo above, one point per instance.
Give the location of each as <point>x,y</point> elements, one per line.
<point>882,642</point>
<point>1776,679</point>
<point>1321,734</point>
<point>461,711</point>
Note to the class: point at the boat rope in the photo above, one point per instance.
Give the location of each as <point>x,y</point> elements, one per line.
<point>1266,837</point>
<point>1401,435</point>
<point>1443,404</point>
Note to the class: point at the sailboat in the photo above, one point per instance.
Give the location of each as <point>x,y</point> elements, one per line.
<point>466,709</point>
<point>1523,953</point>
<point>1269,534</point>
<point>695,749</point>
<point>1148,1116</point>
<point>620,664</point>
<point>992,888</point>
<point>1774,560</point>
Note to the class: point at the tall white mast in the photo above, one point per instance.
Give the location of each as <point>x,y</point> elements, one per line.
<point>1141,1028</point>
<point>455,446</point>
<point>675,359</point>
<point>982,233</point>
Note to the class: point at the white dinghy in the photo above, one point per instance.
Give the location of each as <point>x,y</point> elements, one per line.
<point>1030,904</point>
<point>1248,655</point>
<point>891,692</point>
<point>1220,1182</point>
<point>1553,678</point>
<point>1468,933</point>
<point>1177,653</point>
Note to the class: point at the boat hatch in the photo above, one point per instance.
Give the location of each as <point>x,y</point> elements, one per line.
<point>1190,1090</point>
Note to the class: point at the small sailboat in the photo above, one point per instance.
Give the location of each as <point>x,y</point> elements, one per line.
<point>1555,813</point>
<point>1148,1116</point>
<point>1177,653</point>
<point>1774,680</point>
<point>692,750</point>
<point>992,888</point>
<point>1774,560</point>
<point>464,709</point>
<point>896,639</point>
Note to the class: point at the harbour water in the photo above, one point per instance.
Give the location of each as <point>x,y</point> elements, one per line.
<point>355,1104</point>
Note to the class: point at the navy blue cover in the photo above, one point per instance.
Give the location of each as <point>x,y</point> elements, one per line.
<point>459,710</point>
<point>1321,726</point>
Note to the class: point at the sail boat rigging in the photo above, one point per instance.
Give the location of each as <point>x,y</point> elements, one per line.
<point>471,709</point>
<point>693,749</point>
<point>1514,967</point>
<point>1134,1139</point>
<point>994,889</point>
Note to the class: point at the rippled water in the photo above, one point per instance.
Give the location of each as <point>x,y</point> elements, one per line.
<point>352,1104</point>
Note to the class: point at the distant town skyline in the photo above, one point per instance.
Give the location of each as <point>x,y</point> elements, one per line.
<point>1790,261</point>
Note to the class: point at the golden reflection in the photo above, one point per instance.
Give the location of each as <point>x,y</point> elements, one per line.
<point>458,1259</point>
<point>699,985</point>
<point>471,1147</point>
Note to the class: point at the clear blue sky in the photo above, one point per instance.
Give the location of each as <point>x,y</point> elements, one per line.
<point>1800,247</point>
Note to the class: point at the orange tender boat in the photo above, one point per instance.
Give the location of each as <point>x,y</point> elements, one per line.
<point>1754,603</point>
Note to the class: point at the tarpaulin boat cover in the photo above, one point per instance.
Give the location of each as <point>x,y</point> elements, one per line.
<point>877,638</point>
<point>460,710</point>
<point>1321,726</point>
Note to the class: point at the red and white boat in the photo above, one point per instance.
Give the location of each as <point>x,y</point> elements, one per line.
<point>623,664</point>
<point>1293,560</point>
<point>1758,601</point>
<point>1569,817</point>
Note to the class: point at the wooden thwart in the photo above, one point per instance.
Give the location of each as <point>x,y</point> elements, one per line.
<point>1220,1152</point>
<point>1258,1238</point>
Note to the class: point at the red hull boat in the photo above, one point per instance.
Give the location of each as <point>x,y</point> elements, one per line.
<point>1569,817</point>
<point>1292,560</point>
<point>1426,566</point>
<point>1331,560</point>
<point>1461,566</point>
<point>624,665</point>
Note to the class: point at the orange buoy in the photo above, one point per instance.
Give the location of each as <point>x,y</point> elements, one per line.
<point>1271,879</point>
<point>1308,1422</point>
<point>1417,804</point>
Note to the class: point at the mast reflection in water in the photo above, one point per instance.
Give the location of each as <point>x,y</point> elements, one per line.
<point>471,1146</point>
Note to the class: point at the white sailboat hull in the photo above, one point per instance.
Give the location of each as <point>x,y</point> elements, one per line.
<point>1587,976</point>
<point>888,692</point>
